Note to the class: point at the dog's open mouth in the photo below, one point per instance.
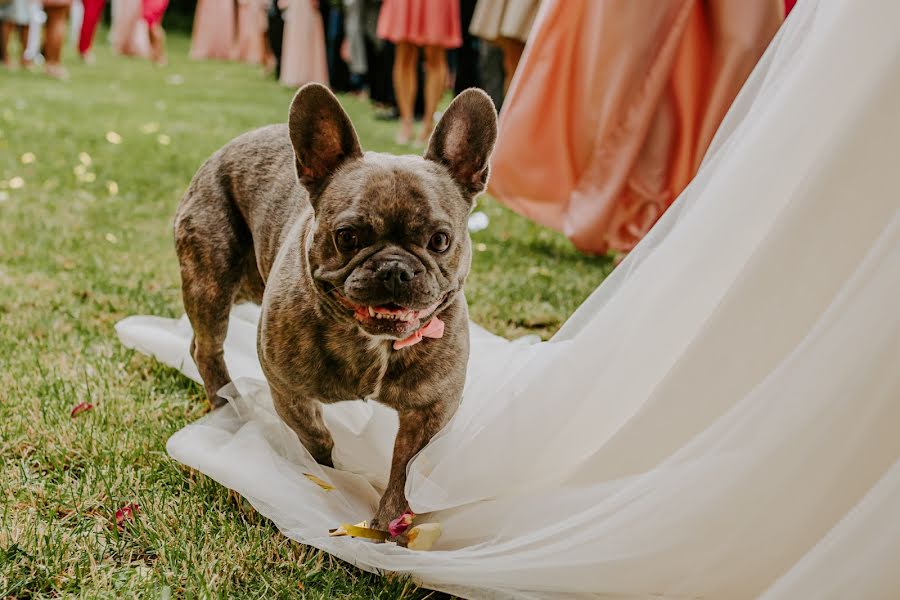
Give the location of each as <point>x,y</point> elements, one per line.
<point>390,319</point>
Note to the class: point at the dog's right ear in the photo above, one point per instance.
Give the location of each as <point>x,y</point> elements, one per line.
<point>322,135</point>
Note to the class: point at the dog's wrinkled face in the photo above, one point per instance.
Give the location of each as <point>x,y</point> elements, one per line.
<point>390,245</point>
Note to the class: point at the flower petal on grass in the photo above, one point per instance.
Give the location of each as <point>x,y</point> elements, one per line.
<point>163,139</point>
<point>401,523</point>
<point>319,482</point>
<point>16,183</point>
<point>85,158</point>
<point>112,187</point>
<point>28,158</point>
<point>113,138</point>
<point>127,513</point>
<point>151,127</point>
<point>80,408</point>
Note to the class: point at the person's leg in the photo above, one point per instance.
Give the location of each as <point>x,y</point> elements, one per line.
<point>55,33</point>
<point>23,43</point>
<point>435,85</point>
<point>512,52</point>
<point>5,32</point>
<point>157,43</point>
<point>405,83</point>
<point>93,9</point>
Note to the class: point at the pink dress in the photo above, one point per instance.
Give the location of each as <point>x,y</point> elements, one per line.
<point>421,22</point>
<point>303,50</point>
<point>153,11</point>
<point>613,106</point>
<point>213,35</point>
<point>129,31</point>
<point>251,24</point>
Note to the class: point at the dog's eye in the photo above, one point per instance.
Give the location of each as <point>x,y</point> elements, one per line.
<point>439,242</point>
<point>346,239</point>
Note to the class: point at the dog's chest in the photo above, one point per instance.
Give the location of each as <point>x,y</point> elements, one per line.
<point>352,372</point>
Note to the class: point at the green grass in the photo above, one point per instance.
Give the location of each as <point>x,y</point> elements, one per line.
<point>78,255</point>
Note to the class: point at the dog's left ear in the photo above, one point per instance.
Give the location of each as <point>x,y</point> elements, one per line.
<point>464,139</point>
<point>322,135</point>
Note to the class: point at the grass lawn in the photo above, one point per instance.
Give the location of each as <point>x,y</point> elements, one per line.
<point>90,173</point>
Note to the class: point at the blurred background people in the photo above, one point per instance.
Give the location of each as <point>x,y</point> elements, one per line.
<point>433,26</point>
<point>152,12</point>
<point>614,106</point>
<point>251,31</point>
<point>128,31</point>
<point>93,12</point>
<point>214,30</point>
<point>506,24</point>
<point>303,51</point>
<point>54,36</point>
<point>15,18</point>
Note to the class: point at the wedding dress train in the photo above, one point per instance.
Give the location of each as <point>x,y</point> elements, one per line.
<point>718,420</point>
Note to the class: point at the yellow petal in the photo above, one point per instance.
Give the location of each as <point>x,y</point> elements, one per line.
<point>319,482</point>
<point>423,537</point>
<point>364,532</point>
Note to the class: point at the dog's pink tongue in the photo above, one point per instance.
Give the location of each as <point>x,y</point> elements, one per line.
<point>433,329</point>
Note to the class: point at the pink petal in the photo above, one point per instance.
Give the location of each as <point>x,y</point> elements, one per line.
<point>83,407</point>
<point>401,523</point>
<point>127,513</point>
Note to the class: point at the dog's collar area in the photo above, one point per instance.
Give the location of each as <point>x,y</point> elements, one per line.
<point>434,329</point>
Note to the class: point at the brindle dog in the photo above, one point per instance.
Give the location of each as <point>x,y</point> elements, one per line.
<point>354,257</point>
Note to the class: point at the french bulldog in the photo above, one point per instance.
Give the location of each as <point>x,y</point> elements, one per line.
<point>358,260</point>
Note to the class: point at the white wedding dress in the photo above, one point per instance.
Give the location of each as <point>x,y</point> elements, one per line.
<point>721,419</point>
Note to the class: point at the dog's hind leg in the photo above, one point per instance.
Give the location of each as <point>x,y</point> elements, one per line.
<point>212,242</point>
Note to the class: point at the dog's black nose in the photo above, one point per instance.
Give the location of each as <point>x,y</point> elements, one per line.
<point>395,274</point>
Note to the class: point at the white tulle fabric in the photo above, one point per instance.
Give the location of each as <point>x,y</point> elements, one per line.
<point>718,420</point>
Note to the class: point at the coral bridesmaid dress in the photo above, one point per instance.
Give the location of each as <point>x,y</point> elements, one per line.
<point>613,106</point>
<point>213,35</point>
<point>303,53</point>
<point>251,25</point>
<point>421,22</point>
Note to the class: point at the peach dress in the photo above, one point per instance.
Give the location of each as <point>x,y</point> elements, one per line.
<point>614,105</point>
<point>128,31</point>
<point>421,22</point>
<point>213,35</point>
<point>303,51</point>
<point>251,25</point>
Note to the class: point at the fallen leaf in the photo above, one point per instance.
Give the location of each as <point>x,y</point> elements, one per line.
<point>28,158</point>
<point>401,523</point>
<point>423,537</point>
<point>80,408</point>
<point>319,482</point>
<point>113,138</point>
<point>127,513</point>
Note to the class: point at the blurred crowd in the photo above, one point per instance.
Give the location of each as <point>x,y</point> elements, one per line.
<point>403,54</point>
<point>609,106</point>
